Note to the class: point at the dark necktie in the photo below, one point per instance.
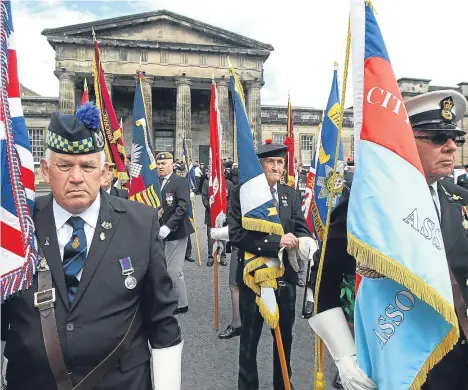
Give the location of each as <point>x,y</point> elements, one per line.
<point>74,256</point>
<point>273,192</point>
<point>433,194</point>
<point>161,182</point>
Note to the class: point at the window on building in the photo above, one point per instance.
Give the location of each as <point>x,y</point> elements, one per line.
<point>144,56</point>
<point>203,58</point>
<point>307,146</point>
<point>164,57</point>
<point>36,137</point>
<point>123,55</point>
<point>240,61</point>
<point>222,61</point>
<point>279,138</point>
<point>164,141</point>
<point>184,58</point>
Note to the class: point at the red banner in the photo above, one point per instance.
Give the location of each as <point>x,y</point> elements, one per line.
<point>217,186</point>
<point>289,142</point>
<point>115,150</point>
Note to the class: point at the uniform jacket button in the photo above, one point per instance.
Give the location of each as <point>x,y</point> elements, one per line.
<point>259,249</point>
<point>266,240</point>
<point>70,327</point>
<point>70,371</point>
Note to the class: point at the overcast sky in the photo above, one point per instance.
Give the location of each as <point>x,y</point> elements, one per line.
<point>425,38</point>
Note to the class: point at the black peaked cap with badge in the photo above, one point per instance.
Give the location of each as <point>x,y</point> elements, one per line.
<point>437,111</point>
<point>76,134</point>
<point>269,149</point>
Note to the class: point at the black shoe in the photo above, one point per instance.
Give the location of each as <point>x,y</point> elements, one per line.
<point>189,258</point>
<point>308,310</point>
<point>300,283</point>
<point>337,382</point>
<point>210,262</point>
<point>229,332</point>
<point>223,261</point>
<point>181,310</point>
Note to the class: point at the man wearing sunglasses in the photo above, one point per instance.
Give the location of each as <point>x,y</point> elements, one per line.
<point>433,117</point>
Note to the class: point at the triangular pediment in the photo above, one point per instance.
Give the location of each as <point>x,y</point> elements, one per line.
<point>158,27</point>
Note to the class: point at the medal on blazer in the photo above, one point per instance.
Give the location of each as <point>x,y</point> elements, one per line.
<point>169,198</point>
<point>284,200</point>
<point>127,270</point>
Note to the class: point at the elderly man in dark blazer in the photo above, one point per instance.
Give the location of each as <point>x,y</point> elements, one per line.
<point>102,302</point>
<point>175,223</point>
<point>107,185</point>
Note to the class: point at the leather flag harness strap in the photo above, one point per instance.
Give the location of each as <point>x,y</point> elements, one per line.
<point>44,301</point>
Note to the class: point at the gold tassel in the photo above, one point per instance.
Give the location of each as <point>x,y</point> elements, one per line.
<point>319,380</point>
<point>261,225</point>
<point>271,319</point>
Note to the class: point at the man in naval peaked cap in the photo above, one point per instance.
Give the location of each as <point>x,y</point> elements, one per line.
<point>434,117</point>
<point>102,302</point>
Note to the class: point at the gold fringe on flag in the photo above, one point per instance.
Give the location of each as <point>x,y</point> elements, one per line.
<point>271,319</point>
<point>371,258</point>
<point>261,225</point>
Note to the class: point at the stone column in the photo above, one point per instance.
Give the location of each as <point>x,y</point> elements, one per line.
<point>66,91</point>
<point>109,79</point>
<point>183,116</point>
<point>254,108</point>
<point>227,144</point>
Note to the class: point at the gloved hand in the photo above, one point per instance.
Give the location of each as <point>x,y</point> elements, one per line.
<point>221,234</point>
<point>307,248</point>
<point>192,195</point>
<point>352,377</point>
<point>167,367</point>
<point>331,326</point>
<point>163,232</point>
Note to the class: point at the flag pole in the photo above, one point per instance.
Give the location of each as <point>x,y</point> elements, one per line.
<point>216,292</point>
<point>194,223</point>
<point>282,358</point>
<point>319,360</point>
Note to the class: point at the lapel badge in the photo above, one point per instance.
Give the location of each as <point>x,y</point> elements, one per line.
<point>106,225</point>
<point>102,236</point>
<point>46,243</point>
<point>456,197</point>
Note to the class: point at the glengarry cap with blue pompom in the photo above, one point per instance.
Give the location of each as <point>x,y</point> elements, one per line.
<point>76,134</point>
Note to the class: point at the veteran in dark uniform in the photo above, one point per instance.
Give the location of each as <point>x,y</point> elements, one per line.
<point>175,223</point>
<point>102,283</point>
<point>289,205</point>
<point>433,117</point>
<point>462,180</point>
<point>110,188</point>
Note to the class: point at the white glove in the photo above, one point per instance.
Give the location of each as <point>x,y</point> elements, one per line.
<point>221,234</point>
<point>332,328</point>
<point>167,367</point>
<point>307,248</point>
<point>163,232</point>
<point>192,195</point>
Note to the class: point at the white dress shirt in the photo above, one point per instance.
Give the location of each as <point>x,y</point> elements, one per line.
<point>65,231</point>
<point>165,179</point>
<point>435,196</point>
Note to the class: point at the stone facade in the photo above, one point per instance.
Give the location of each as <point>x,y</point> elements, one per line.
<point>180,56</point>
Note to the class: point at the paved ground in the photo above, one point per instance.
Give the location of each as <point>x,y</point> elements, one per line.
<point>211,363</point>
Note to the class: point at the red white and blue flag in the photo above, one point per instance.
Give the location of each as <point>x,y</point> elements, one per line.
<point>18,246</point>
<point>405,320</point>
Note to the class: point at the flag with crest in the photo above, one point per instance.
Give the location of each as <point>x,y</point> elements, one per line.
<point>404,317</point>
<point>217,182</point>
<point>328,177</point>
<point>115,149</point>
<point>258,209</point>
<point>144,178</point>
<point>18,245</point>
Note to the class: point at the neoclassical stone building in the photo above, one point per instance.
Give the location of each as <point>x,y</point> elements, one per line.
<point>180,56</point>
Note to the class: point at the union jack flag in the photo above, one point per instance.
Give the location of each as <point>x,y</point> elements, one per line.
<point>18,246</point>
